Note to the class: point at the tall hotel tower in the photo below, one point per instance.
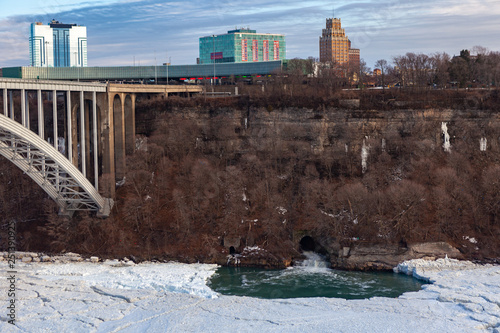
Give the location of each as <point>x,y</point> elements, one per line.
<point>335,46</point>
<point>242,45</point>
<point>58,45</point>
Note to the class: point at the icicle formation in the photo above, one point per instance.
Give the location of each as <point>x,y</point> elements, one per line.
<point>446,144</point>
<point>483,144</point>
<point>364,155</point>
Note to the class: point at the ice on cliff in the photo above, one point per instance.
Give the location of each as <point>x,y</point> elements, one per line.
<point>88,297</point>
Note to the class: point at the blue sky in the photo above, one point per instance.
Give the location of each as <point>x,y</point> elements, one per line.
<point>121,30</point>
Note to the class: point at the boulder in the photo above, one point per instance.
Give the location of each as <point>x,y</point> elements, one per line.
<point>26,259</point>
<point>46,259</point>
<point>387,256</point>
<point>434,249</point>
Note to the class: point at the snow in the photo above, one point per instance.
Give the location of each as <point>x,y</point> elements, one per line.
<point>483,144</point>
<point>365,149</point>
<point>116,274</point>
<point>281,210</point>
<point>118,296</point>
<point>446,143</point>
<point>470,239</point>
<point>252,249</point>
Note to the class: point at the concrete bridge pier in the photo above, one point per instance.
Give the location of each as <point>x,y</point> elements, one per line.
<point>31,116</point>
<point>89,137</point>
<point>120,140</point>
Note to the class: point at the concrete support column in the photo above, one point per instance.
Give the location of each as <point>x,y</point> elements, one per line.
<point>82,135</point>
<point>27,108</point>
<point>94,132</point>
<point>11,102</point>
<point>68,122</point>
<point>41,118</point>
<point>88,137</point>
<point>130,125</point>
<point>119,127</point>
<point>23,107</point>
<point>74,129</point>
<point>108,149</point>
<point>5,103</point>
<point>54,118</point>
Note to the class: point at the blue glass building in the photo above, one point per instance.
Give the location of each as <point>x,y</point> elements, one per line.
<point>58,45</point>
<point>242,45</point>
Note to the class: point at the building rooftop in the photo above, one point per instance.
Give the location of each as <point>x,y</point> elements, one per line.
<point>57,24</point>
<point>242,30</point>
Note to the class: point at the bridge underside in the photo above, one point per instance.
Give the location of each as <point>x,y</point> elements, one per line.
<point>145,73</point>
<point>85,137</point>
<point>52,171</point>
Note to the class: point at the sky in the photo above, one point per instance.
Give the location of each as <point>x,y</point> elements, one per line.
<point>145,32</point>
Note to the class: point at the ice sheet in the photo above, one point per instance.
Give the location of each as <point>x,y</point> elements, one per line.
<point>86,297</point>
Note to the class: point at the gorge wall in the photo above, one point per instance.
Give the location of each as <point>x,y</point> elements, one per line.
<point>387,180</point>
<point>367,188</point>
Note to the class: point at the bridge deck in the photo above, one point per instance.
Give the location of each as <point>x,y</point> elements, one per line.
<point>8,83</point>
<point>153,88</point>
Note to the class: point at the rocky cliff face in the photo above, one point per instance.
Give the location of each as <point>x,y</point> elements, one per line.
<point>343,129</point>
<point>373,187</point>
<point>386,257</point>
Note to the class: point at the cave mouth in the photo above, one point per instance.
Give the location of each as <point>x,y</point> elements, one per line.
<point>307,243</point>
<point>232,250</point>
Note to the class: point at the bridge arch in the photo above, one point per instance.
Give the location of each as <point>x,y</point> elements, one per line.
<point>55,174</point>
<point>129,119</point>
<point>119,134</point>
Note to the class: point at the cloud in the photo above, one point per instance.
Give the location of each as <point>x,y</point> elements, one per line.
<point>14,42</point>
<point>118,31</point>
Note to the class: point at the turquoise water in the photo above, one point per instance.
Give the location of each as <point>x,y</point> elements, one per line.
<point>310,281</point>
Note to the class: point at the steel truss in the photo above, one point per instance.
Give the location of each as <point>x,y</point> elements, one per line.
<point>51,170</point>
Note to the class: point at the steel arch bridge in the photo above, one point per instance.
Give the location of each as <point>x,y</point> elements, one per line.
<point>51,170</point>
<point>89,132</point>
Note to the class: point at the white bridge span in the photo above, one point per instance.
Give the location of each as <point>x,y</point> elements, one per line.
<point>29,138</point>
<point>51,170</point>
<point>67,135</point>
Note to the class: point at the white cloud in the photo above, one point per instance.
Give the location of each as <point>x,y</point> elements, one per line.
<point>120,30</point>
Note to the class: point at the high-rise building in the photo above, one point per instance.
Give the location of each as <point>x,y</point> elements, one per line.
<point>58,45</point>
<point>335,46</point>
<point>242,45</point>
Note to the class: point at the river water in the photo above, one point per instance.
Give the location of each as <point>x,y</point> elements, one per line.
<point>311,278</point>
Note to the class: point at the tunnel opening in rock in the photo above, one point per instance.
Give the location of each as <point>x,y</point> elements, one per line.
<point>232,250</point>
<point>307,243</point>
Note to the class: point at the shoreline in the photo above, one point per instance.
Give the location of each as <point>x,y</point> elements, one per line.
<point>174,297</point>
<point>70,257</point>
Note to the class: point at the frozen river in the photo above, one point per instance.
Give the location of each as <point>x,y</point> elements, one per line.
<point>112,297</point>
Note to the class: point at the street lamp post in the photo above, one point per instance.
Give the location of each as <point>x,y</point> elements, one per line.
<point>213,55</point>
<point>46,60</point>
<point>76,65</point>
<point>168,64</point>
<point>156,75</point>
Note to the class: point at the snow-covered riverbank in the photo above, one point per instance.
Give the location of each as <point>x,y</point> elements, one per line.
<point>124,297</point>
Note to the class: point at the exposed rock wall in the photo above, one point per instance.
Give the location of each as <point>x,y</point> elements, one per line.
<point>386,257</point>
<point>343,129</point>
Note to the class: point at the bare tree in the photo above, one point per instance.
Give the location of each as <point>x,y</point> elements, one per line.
<point>384,68</point>
<point>441,66</point>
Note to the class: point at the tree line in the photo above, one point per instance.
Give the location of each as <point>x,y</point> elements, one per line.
<point>479,68</point>
<point>476,68</point>
<point>204,174</point>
